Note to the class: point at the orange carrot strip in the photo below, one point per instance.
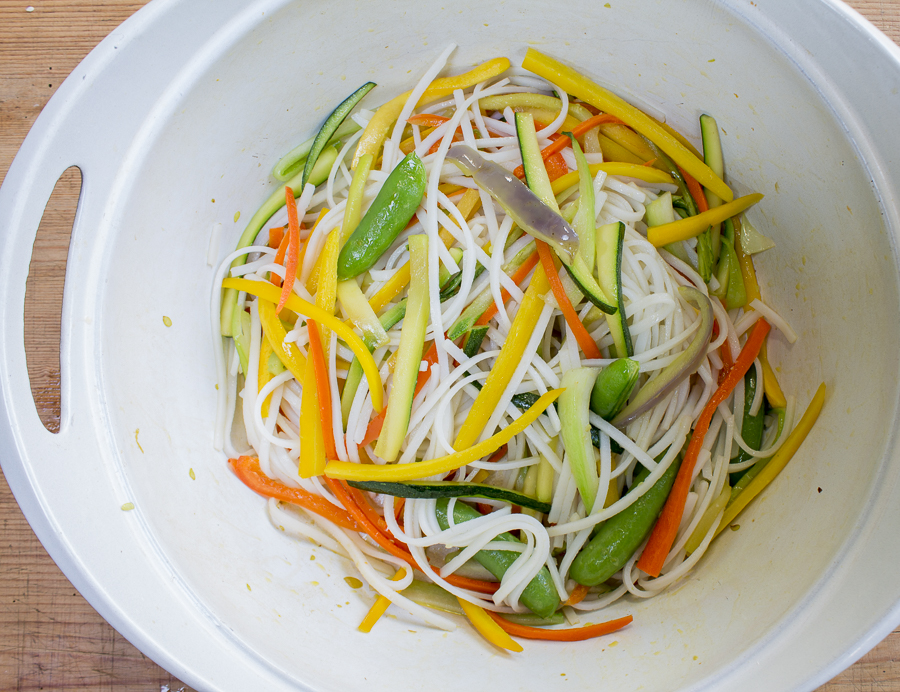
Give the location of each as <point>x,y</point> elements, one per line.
<point>556,166</point>
<point>276,236</point>
<point>427,119</point>
<point>696,190</point>
<point>248,471</point>
<point>342,492</point>
<point>323,387</point>
<point>279,256</point>
<point>577,595</point>
<point>663,535</point>
<point>570,634</point>
<point>560,143</point>
<point>293,250</point>
<point>518,277</point>
<point>581,334</point>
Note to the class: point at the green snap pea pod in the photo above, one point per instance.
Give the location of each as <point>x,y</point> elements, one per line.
<point>613,386</point>
<point>393,207</point>
<point>752,426</point>
<point>539,596</point>
<point>617,539</point>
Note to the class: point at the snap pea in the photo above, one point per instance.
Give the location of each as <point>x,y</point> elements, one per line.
<point>393,207</point>
<point>539,596</point>
<point>613,386</point>
<point>617,539</point>
<point>752,426</point>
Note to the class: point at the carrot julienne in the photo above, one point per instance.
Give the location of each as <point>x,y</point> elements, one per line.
<point>663,534</point>
<point>323,387</point>
<point>293,249</point>
<point>584,339</point>
<point>248,471</point>
<point>569,634</point>
<point>696,190</point>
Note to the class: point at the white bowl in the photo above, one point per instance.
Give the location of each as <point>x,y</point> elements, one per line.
<point>189,102</point>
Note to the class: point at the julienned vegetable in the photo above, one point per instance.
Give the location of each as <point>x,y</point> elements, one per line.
<point>426,331</point>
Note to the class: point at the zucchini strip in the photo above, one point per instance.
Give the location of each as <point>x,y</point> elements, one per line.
<point>433,490</point>
<point>409,353</point>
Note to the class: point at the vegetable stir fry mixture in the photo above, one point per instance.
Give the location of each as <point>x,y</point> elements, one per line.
<point>501,343</point>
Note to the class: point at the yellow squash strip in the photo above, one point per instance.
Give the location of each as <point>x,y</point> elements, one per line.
<point>695,225</point>
<point>312,281</point>
<point>385,117</point>
<point>349,471</point>
<point>296,304</point>
<point>312,441</point>
<point>275,334</point>
<point>353,209</point>
<point>379,607</point>
<point>326,289</point>
<point>263,374</point>
<point>507,362</point>
<point>770,382</point>
<point>468,204</point>
<point>606,101</point>
<point>487,628</point>
<point>628,139</point>
<point>645,173</point>
<point>680,137</point>
<point>778,461</point>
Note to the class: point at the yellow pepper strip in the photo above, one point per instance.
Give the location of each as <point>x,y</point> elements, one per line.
<point>326,290</point>
<point>349,471</point>
<point>312,442</point>
<point>487,628</point>
<point>263,376</point>
<point>394,286</point>
<point>377,129</point>
<point>770,383</point>
<point>695,225</point>
<point>631,170</point>
<point>606,101</point>
<point>778,461</point>
<point>507,362</point>
<point>296,304</point>
<point>275,334</point>
<point>313,278</point>
<point>613,151</point>
<point>379,607</point>
<point>627,138</point>
<point>680,137</point>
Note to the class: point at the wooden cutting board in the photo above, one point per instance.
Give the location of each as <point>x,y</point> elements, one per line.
<point>50,638</point>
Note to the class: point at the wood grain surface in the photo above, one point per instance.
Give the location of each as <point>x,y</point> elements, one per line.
<point>50,638</point>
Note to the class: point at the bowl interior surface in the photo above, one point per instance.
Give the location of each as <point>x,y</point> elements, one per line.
<point>265,83</point>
